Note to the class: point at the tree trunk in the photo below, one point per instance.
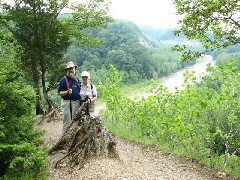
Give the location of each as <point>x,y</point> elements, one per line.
<point>53,110</point>
<point>85,138</point>
<point>39,108</point>
<point>51,104</point>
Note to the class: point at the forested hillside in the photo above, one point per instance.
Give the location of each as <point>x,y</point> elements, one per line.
<point>135,55</point>
<point>228,53</point>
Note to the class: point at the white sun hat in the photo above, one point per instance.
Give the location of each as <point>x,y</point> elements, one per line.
<point>70,64</point>
<point>85,73</point>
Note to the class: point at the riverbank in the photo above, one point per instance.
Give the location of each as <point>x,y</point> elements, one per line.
<point>142,89</point>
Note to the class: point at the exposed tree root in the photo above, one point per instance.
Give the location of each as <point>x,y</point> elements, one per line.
<point>85,138</point>
<point>53,114</point>
<point>48,116</point>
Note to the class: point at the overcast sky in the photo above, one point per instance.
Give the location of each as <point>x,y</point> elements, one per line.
<point>157,13</point>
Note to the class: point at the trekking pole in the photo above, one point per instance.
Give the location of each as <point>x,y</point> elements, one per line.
<point>84,103</point>
<point>70,105</point>
<point>87,110</point>
<point>87,105</point>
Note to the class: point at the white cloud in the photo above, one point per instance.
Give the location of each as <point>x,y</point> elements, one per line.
<point>157,13</point>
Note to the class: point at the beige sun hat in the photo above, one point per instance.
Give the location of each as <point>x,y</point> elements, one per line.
<point>70,64</point>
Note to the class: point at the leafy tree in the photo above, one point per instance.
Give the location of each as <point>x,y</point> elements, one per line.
<point>21,152</point>
<point>215,23</point>
<point>44,34</point>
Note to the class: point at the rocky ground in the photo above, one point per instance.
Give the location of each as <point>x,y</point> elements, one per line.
<point>136,162</point>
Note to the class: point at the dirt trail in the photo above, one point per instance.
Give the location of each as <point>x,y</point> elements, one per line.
<point>136,162</point>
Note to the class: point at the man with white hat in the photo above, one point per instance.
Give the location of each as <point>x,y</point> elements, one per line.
<point>69,90</point>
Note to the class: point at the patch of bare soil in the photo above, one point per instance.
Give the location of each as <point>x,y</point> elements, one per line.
<point>136,162</point>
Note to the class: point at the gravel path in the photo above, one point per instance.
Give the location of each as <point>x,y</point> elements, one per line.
<point>136,162</point>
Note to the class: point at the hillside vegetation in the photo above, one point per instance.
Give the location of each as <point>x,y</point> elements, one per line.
<point>134,55</point>
<point>202,121</point>
<point>228,53</point>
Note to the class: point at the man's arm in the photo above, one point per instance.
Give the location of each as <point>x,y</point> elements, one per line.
<point>61,89</point>
<point>64,93</point>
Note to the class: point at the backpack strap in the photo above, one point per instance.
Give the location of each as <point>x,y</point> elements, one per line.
<point>79,84</point>
<point>66,79</point>
<point>91,85</point>
<point>75,78</point>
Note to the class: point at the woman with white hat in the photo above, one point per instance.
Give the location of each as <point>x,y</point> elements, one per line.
<point>88,92</point>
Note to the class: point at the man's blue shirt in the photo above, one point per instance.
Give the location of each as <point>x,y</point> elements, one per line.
<point>74,84</point>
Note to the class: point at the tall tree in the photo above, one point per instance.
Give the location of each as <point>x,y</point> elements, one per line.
<point>216,23</point>
<point>44,33</point>
<point>21,152</point>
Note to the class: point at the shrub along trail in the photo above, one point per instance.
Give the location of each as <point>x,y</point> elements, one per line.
<point>136,162</point>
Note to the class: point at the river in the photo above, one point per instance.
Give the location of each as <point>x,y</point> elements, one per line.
<point>176,79</point>
<point>173,80</point>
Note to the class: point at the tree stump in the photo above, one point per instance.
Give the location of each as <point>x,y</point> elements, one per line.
<point>85,138</point>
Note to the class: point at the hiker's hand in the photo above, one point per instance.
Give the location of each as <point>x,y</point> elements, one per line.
<point>88,101</point>
<point>69,91</point>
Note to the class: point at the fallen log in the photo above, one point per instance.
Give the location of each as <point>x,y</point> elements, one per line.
<point>85,138</point>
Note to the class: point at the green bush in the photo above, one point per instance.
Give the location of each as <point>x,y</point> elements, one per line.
<point>200,121</point>
<point>21,153</point>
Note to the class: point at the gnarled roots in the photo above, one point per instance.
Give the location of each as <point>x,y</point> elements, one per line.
<point>85,138</point>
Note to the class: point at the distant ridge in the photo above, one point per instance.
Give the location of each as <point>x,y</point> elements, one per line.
<point>161,34</point>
